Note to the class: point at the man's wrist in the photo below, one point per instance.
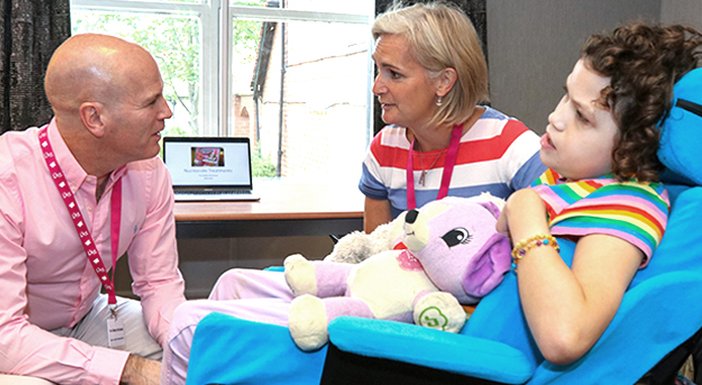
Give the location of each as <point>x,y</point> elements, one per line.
<point>141,371</point>
<point>131,367</point>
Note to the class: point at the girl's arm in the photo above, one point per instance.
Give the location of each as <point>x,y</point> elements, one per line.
<point>567,309</point>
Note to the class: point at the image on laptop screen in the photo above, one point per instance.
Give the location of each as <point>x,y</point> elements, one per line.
<point>209,168</point>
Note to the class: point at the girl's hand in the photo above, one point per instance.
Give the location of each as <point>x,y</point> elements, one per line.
<point>501,225</point>
<point>524,215</point>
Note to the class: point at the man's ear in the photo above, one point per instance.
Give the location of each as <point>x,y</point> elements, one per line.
<point>445,81</point>
<point>91,115</point>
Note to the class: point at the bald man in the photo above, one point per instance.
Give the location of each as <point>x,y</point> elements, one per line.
<point>75,195</point>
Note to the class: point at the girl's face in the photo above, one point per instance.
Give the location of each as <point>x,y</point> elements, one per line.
<point>403,87</point>
<point>581,133</point>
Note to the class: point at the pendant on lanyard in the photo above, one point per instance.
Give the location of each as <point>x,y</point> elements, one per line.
<point>115,329</point>
<point>450,162</point>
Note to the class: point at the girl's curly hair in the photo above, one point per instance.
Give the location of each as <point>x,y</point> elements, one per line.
<point>643,62</point>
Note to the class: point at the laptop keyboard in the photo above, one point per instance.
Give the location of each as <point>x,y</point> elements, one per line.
<point>217,195</point>
<point>215,192</point>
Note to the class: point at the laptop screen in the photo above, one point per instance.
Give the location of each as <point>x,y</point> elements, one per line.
<point>208,162</point>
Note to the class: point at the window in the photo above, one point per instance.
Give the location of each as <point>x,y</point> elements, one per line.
<point>292,75</point>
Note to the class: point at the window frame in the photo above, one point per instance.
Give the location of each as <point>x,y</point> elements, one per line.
<point>264,14</point>
<point>216,20</point>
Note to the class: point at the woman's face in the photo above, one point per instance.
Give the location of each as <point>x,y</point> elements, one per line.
<point>406,93</point>
<point>580,135</point>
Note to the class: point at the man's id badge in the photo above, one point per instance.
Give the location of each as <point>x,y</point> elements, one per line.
<point>115,333</point>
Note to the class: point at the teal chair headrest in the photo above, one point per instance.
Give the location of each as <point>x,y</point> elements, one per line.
<point>681,132</point>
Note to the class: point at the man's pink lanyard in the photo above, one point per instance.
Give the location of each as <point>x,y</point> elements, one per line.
<point>83,233</point>
<point>451,157</point>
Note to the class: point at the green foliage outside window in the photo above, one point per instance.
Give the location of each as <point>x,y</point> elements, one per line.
<point>262,167</point>
<point>175,44</point>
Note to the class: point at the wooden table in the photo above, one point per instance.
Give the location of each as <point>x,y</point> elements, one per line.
<point>288,207</point>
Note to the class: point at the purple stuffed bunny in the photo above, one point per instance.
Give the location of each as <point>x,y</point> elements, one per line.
<point>452,255</point>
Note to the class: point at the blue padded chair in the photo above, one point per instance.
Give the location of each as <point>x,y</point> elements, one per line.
<point>661,309</point>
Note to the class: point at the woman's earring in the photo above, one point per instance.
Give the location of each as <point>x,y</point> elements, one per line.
<point>439,101</point>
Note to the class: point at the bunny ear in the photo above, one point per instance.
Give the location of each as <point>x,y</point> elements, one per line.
<point>492,208</point>
<point>487,271</point>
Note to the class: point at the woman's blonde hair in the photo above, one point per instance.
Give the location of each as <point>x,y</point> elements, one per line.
<point>441,36</point>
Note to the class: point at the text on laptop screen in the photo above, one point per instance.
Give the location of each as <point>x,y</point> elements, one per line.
<point>208,163</point>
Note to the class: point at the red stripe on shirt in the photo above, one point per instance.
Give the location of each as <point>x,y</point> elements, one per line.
<point>487,149</point>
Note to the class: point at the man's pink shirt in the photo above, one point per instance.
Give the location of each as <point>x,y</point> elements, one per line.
<point>45,280</point>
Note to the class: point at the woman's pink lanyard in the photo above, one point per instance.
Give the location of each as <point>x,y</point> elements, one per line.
<point>451,157</point>
<point>86,238</point>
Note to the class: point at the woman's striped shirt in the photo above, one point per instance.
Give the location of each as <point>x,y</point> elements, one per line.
<point>498,154</point>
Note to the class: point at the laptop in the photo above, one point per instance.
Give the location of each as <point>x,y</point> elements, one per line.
<point>209,169</point>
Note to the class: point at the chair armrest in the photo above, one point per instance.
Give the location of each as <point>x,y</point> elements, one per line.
<point>654,318</point>
<point>457,353</point>
<point>230,350</point>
